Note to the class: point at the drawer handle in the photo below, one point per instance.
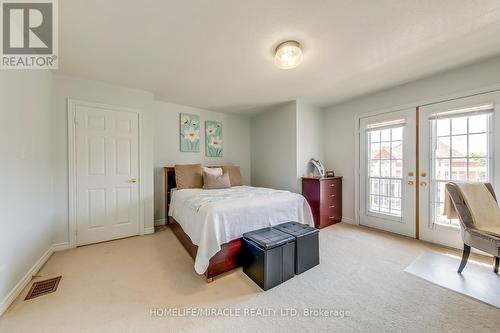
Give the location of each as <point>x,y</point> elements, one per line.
<point>332,217</point>
<point>332,185</point>
<point>332,206</point>
<point>332,195</point>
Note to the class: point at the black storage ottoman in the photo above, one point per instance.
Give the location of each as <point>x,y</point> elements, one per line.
<point>268,257</point>
<point>306,244</point>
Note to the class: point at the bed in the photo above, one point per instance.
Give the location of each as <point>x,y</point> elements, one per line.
<point>210,223</point>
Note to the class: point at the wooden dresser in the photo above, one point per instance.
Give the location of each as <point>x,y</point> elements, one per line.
<point>325,198</point>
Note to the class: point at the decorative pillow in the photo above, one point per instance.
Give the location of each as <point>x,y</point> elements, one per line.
<point>213,171</point>
<point>188,176</point>
<point>234,174</point>
<point>211,181</point>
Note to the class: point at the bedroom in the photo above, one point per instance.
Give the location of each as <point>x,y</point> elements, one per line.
<point>362,68</point>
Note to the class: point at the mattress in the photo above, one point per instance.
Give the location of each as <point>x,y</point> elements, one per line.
<point>212,218</point>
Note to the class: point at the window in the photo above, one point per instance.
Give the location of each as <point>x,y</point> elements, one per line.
<point>460,152</point>
<point>385,170</point>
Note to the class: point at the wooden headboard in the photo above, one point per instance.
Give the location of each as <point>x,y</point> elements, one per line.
<point>170,184</point>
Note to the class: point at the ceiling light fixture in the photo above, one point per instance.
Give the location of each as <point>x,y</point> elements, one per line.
<point>288,55</point>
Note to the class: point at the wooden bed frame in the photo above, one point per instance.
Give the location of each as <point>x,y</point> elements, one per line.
<point>228,258</point>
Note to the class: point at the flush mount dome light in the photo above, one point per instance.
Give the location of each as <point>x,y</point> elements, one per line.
<point>288,55</point>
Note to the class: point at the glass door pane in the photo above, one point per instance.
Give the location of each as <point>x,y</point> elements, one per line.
<point>460,152</point>
<point>385,158</point>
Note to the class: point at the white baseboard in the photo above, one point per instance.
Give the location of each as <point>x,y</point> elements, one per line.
<point>7,301</point>
<point>60,247</point>
<point>348,220</point>
<point>159,222</point>
<point>149,230</point>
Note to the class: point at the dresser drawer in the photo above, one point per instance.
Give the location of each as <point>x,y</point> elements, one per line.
<point>329,220</point>
<point>328,217</point>
<point>330,207</point>
<point>331,198</point>
<point>331,210</point>
<point>331,187</point>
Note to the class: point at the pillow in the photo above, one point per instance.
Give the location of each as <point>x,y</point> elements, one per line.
<point>211,181</point>
<point>188,176</point>
<point>213,171</point>
<point>234,174</point>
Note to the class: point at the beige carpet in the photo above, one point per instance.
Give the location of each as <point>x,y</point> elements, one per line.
<point>111,287</point>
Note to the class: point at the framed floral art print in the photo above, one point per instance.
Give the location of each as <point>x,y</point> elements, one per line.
<point>189,130</point>
<point>213,139</point>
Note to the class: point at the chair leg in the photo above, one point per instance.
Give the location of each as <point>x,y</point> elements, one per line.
<point>465,257</point>
<point>496,261</point>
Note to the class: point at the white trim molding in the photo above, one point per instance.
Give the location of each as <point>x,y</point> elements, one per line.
<point>149,230</point>
<point>159,222</point>
<point>26,279</point>
<point>72,104</point>
<point>348,220</point>
<point>60,247</point>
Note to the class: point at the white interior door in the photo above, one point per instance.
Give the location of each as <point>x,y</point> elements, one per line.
<point>457,143</point>
<point>107,169</point>
<point>387,172</point>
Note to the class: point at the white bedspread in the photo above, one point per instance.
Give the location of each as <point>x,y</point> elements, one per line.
<point>215,217</point>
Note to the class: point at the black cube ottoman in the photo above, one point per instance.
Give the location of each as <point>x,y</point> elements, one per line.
<point>306,244</point>
<point>268,257</point>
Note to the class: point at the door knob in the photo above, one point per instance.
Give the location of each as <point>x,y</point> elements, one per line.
<point>410,174</point>
<point>423,174</point>
<point>410,182</point>
<point>423,184</point>
<point>133,180</point>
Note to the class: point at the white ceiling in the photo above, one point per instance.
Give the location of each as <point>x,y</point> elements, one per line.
<point>218,54</point>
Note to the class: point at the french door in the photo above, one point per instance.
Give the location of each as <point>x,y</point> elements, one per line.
<point>387,172</point>
<point>457,141</point>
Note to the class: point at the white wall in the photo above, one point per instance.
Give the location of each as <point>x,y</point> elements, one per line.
<point>310,138</point>
<point>339,119</point>
<point>70,87</point>
<point>274,148</point>
<point>27,169</point>
<point>236,143</point>
<point>284,139</point>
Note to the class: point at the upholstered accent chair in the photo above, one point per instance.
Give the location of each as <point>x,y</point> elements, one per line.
<point>471,236</point>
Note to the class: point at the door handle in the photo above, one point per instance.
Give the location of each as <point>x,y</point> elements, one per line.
<point>132,180</point>
<point>423,184</point>
<point>410,182</point>
<point>423,174</point>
